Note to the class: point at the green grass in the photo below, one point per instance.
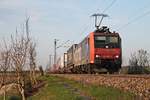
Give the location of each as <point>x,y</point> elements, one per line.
<point>55,90</point>
<point>108,93</point>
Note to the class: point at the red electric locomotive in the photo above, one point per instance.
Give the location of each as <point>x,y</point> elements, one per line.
<point>100,50</point>
<point>105,49</point>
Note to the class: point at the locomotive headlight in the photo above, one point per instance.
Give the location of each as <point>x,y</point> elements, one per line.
<point>117,56</point>
<point>92,61</point>
<point>97,56</point>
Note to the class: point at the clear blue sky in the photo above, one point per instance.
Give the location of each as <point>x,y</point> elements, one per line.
<point>70,20</point>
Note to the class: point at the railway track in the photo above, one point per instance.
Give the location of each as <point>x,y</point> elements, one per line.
<point>145,76</point>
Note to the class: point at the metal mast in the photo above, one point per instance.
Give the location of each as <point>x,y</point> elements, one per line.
<point>55,47</point>
<point>50,60</point>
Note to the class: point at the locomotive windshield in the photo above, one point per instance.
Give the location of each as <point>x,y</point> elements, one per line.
<point>103,41</point>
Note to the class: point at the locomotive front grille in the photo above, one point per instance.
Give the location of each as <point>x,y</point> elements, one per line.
<point>97,60</point>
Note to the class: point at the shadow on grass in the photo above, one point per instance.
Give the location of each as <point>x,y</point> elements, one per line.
<point>14,98</point>
<point>32,90</point>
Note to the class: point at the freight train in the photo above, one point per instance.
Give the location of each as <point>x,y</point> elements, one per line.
<point>99,51</point>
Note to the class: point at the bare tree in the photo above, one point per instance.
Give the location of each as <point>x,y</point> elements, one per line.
<point>32,55</point>
<point>4,65</point>
<point>19,54</point>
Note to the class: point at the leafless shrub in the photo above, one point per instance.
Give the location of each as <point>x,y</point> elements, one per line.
<point>41,70</point>
<point>139,61</point>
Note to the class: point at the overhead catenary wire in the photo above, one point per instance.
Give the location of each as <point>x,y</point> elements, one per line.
<point>134,20</point>
<point>86,26</point>
<point>135,17</point>
<point>63,44</point>
<point>111,4</point>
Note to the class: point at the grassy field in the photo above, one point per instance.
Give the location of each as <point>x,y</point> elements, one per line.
<point>63,89</point>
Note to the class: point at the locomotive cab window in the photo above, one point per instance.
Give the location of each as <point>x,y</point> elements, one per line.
<point>102,41</point>
<point>113,39</point>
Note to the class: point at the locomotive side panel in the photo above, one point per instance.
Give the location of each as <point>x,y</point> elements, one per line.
<point>85,51</point>
<point>70,56</point>
<point>77,55</point>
